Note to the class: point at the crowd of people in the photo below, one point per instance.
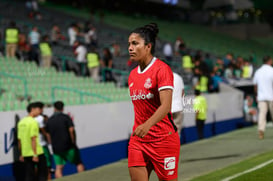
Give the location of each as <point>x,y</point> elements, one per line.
<point>43,140</point>
<point>80,42</point>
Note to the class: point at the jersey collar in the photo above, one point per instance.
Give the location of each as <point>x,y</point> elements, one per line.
<point>150,64</point>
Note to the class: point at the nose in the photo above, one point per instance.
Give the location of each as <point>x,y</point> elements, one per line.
<point>130,48</point>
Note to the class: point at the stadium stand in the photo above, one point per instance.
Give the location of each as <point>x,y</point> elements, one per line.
<point>24,81</point>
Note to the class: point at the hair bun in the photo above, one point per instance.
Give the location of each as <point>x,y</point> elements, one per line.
<point>152,27</point>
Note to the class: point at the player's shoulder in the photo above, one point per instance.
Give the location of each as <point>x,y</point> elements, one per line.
<point>162,65</point>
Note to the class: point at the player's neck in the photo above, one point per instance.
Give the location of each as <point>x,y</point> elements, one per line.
<point>146,62</point>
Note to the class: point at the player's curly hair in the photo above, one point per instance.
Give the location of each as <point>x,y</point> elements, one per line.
<point>148,33</point>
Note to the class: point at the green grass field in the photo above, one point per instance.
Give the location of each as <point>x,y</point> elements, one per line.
<point>256,174</point>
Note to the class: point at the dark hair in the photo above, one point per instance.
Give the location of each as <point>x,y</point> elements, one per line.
<point>40,104</point>
<point>197,92</point>
<point>59,105</point>
<point>33,105</point>
<point>148,33</point>
<point>266,59</point>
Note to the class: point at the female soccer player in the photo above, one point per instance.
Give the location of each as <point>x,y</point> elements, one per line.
<point>154,143</point>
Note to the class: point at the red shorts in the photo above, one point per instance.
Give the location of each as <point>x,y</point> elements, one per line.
<point>163,156</point>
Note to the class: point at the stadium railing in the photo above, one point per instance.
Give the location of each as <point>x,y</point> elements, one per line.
<point>79,92</point>
<point>24,81</point>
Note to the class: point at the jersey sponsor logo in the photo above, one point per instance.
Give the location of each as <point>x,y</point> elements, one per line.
<point>148,83</point>
<point>169,163</point>
<point>141,95</point>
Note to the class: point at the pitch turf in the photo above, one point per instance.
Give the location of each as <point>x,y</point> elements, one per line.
<point>258,168</point>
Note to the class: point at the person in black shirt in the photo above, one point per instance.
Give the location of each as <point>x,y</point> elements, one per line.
<point>61,134</point>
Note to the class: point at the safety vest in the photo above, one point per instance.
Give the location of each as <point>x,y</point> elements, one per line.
<point>45,49</point>
<point>246,72</point>
<point>12,35</point>
<point>92,60</point>
<point>200,105</point>
<point>186,62</point>
<point>203,84</point>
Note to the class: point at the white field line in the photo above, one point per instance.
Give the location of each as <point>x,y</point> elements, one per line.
<point>247,171</point>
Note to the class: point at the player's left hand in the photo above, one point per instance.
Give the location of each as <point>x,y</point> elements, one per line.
<point>141,130</point>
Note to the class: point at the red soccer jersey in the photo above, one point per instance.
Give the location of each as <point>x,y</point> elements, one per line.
<point>144,91</point>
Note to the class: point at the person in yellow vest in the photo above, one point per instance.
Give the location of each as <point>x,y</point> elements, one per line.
<point>46,52</point>
<point>203,83</point>
<point>11,39</point>
<point>200,108</point>
<point>187,63</point>
<point>93,64</point>
<point>31,152</point>
<point>247,70</point>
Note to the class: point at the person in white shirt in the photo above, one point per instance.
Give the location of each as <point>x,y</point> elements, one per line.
<point>168,51</point>
<point>80,53</point>
<point>177,107</point>
<point>72,34</point>
<point>43,141</point>
<point>263,81</point>
<point>34,40</point>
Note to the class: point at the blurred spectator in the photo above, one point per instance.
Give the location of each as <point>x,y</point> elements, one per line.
<point>182,49</point>
<point>240,62</point>
<point>237,71</point>
<point>62,135</point>
<point>12,38</point>
<point>263,84</point>
<point>198,56</point>
<point>209,62</point>
<point>43,138</point>
<point>80,53</point>
<point>56,35</point>
<point>247,70</point>
<point>115,49</point>
<point>94,37</point>
<point>203,82</point>
<point>34,40</point>
<point>90,36</point>
<point>93,64</point>
<point>72,33</point>
<point>177,107</point>
<point>196,75</point>
<point>187,62</point>
<point>23,47</point>
<point>200,107</point>
<point>107,62</point>
<point>46,52</point>
<point>215,82</point>
<point>251,112</point>
<point>219,67</point>
<point>178,43</point>
<point>29,8</point>
<point>228,59</point>
<point>168,51</point>
<point>33,9</point>
<point>228,73</point>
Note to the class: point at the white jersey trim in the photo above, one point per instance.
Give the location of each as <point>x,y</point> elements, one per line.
<point>165,87</point>
<point>150,64</point>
